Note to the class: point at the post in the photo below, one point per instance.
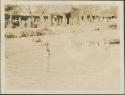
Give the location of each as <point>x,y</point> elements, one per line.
<point>20,22</point>
<point>10,21</point>
<point>64,20</point>
<point>49,20</point>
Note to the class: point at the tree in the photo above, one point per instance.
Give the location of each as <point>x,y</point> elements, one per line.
<point>40,9</point>
<point>11,10</point>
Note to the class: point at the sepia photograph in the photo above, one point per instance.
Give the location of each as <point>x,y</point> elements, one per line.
<point>70,47</point>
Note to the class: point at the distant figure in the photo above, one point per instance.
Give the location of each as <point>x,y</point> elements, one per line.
<point>36,39</point>
<point>97,29</point>
<point>47,48</point>
<point>48,56</point>
<point>106,44</point>
<point>97,43</point>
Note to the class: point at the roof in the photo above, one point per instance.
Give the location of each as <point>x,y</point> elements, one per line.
<point>37,10</point>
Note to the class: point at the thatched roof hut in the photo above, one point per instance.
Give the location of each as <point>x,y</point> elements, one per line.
<point>38,10</point>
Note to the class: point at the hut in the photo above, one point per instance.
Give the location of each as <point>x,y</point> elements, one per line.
<point>50,15</point>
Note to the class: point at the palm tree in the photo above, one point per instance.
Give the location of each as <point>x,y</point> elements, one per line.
<point>40,9</point>
<point>12,10</point>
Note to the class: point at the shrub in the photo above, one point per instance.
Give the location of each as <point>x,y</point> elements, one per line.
<point>114,41</point>
<point>32,33</point>
<point>39,33</point>
<point>10,35</point>
<point>113,26</point>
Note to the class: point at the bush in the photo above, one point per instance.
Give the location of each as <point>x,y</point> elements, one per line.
<point>32,33</point>
<point>113,26</point>
<point>38,40</point>
<point>39,33</point>
<point>114,41</point>
<point>10,35</point>
<point>25,33</point>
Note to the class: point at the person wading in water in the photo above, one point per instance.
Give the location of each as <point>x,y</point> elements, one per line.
<point>48,55</point>
<point>47,49</point>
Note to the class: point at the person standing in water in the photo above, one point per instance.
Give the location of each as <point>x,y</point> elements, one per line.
<point>47,49</point>
<point>48,55</point>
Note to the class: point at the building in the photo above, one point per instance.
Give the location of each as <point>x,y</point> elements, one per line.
<point>54,16</point>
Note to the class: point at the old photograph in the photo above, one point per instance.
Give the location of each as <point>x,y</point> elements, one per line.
<point>67,47</point>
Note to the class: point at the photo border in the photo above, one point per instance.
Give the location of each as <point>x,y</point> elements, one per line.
<point>121,23</point>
